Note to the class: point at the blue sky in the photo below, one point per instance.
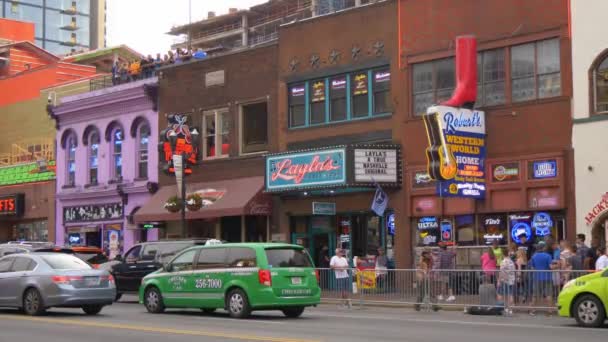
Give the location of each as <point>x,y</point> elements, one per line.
<point>142,24</point>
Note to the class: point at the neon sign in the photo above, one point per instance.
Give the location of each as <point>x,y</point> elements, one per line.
<point>11,205</point>
<point>542,224</point>
<point>310,169</point>
<point>518,229</point>
<point>184,143</point>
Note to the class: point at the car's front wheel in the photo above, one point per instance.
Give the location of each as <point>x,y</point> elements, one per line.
<point>293,312</point>
<point>153,300</point>
<point>33,304</point>
<point>92,309</point>
<point>238,304</point>
<point>589,311</point>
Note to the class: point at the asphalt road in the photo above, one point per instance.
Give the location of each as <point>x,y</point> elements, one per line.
<point>127,321</point>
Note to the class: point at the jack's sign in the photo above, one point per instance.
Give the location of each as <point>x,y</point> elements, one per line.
<point>456,153</point>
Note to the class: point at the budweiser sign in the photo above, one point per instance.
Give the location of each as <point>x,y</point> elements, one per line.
<point>305,169</point>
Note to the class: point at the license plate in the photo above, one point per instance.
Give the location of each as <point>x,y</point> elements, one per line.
<point>296,281</point>
<point>92,281</point>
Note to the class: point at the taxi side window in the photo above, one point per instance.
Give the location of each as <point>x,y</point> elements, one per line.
<point>211,258</point>
<point>133,254</point>
<point>184,261</point>
<point>241,257</point>
<point>166,251</point>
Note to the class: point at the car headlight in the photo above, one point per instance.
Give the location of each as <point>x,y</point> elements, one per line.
<point>569,284</point>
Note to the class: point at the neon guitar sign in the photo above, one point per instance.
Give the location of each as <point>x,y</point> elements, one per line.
<point>441,161</point>
<point>456,132</point>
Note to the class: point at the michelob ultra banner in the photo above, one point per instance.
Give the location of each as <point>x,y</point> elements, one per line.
<point>456,153</point>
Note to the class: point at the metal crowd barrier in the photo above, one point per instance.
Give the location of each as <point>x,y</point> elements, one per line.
<point>510,291</point>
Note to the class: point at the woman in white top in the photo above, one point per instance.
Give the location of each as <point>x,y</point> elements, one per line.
<point>602,261</point>
<point>339,264</point>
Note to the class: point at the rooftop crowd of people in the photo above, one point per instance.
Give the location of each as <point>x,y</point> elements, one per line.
<point>147,67</point>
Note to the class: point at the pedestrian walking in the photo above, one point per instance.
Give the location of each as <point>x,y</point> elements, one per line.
<point>115,73</point>
<point>542,281</point>
<point>498,253</point>
<point>381,269</point>
<point>602,261</point>
<point>488,265</point>
<point>447,263</point>
<point>423,281</point>
<point>506,282</point>
<point>522,277</point>
<point>339,264</point>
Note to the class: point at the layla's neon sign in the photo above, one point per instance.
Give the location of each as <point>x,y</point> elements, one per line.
<point>296,172</point>
<point>310,169</point>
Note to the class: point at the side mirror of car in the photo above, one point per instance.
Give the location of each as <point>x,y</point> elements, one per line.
<point>168,268</point>
<point>118,258</point>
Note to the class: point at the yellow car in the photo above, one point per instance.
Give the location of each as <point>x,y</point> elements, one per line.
<point>586,299</point>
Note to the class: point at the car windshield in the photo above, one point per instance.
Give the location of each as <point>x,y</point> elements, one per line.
<point>65,262</point>
<point>92,258</point>
<point>288,257</point>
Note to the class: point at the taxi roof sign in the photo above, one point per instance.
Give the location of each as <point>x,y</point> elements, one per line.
<point>213,242</point>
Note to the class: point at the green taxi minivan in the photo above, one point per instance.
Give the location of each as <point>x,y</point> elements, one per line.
<point>238,277</point>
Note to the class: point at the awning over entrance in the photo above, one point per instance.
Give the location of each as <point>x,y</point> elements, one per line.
<point>234,197</point>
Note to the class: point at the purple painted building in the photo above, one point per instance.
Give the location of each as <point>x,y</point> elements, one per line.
<point>107,165</point>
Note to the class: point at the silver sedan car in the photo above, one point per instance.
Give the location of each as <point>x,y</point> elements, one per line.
<point>37,281</point>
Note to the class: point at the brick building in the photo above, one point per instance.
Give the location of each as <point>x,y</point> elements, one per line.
<point>524,88</point>
<point>340,105</point>
<point>360,92</point>
<point>231,100</point>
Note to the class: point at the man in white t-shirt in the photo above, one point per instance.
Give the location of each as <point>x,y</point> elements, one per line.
<point>339,264</point>
<point>602,261</point>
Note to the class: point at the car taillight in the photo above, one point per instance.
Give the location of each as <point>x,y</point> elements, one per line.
<point>111,279</point>
<point>264,277</point>
<point>65,279</point>
<point>318,276</point>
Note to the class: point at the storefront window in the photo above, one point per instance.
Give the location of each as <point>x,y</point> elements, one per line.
<point>493,228</point>
<point>359,90</point>
<point>317,102</point>
<point>374,234</point>
<point>297,105</point>
<point>338,99</point>
<point>142,158</point>
<point>71,160</point>
<point>427,231</point>
<point>536,226</point>
<point>93,157</point>
<point>117,138</point>
<point>255,229</point>
<point>34,231</point>
<point>465,230</point>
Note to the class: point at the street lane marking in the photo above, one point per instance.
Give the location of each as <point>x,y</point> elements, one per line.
<point>78,323</point>
<point>433,321</point>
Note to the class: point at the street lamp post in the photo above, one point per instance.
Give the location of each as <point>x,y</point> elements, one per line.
<point>179,165</point>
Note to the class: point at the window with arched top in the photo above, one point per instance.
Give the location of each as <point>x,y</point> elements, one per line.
<point>93,157</point>
<point>116,141</point>
<point>599,77</point>
<point>143,139</point>
<point>71,160</point>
